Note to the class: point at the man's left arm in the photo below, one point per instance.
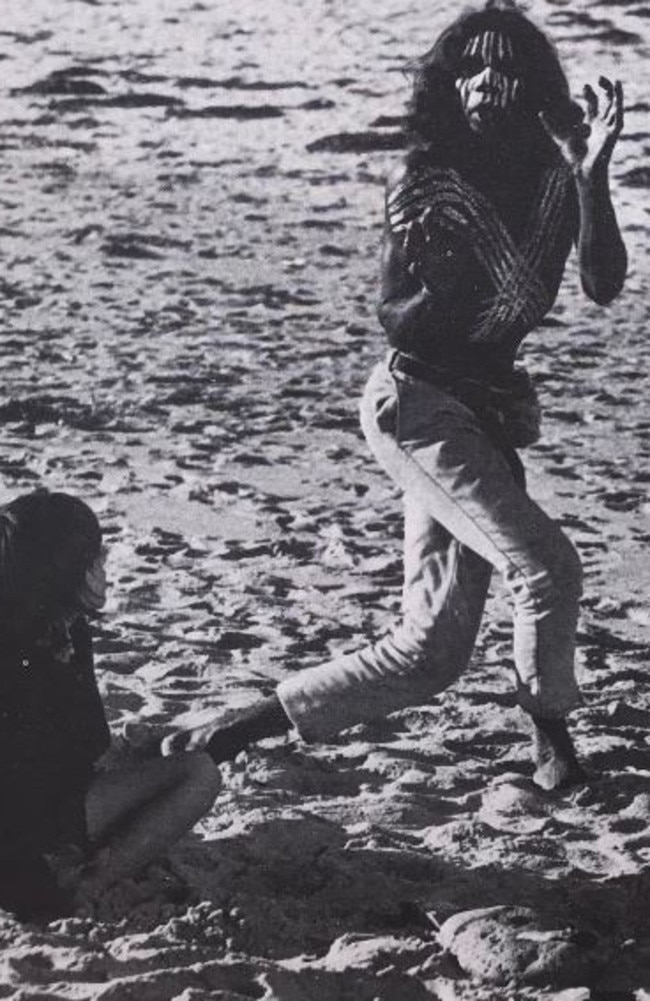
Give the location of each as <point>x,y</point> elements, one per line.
<point>588,149</point>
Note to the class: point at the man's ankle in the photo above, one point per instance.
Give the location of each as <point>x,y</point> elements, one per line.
<point>555,758</point>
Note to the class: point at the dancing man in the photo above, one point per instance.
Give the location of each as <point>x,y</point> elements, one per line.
<point>504,172</point>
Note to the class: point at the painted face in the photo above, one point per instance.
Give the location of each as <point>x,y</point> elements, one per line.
<point>488,83</point>
<point>92,594</point>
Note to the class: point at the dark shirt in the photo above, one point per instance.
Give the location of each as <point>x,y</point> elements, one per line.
<point>52,729</point>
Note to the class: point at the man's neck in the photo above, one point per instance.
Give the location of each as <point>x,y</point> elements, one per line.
<point>503,144</point>
<point>504,159</point>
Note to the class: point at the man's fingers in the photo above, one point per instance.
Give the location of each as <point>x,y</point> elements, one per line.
<point>606,84</point>
<point>559,133</point>
<point>618,107</point>
<point>613,112</point>
<point>546,125</point>
<point>407,246</point>
<point>174,743</point>
<point>413,240</point>
<point>407,242</point>
<point>591,100</point>
<point>426,224</point>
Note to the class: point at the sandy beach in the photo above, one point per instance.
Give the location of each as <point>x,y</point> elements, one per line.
<point>191,204</point>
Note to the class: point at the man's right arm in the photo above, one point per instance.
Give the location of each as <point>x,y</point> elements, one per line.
<point>405,305</point>
<point>421,274</point>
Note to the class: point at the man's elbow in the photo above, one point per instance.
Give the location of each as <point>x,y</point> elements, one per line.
<point>604,288</point>
<point>386,314</point>
<point>601,295</point>
<point>603,292</point>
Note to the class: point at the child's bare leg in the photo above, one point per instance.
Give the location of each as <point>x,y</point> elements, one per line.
<point>136,813</point>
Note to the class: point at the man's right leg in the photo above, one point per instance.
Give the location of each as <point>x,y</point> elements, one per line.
<point>445,586</point>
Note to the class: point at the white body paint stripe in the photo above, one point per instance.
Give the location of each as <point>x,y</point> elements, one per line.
<point>519,292</point>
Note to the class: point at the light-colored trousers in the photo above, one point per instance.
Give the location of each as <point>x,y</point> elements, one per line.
<point>465,514</point>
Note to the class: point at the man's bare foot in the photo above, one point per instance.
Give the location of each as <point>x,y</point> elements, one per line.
<point>557,766</point>
<point>225,737</point>
<point>190,740</point>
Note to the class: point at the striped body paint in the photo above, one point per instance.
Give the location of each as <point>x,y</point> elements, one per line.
<point>441,200</point>
<point>488,84</point>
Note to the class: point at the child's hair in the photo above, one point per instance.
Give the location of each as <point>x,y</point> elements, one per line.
<point>48,541</point>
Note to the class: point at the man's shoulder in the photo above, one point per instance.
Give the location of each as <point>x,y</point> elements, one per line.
<point>396,179</point>
<point>413,190</point>
<point>407,176</point>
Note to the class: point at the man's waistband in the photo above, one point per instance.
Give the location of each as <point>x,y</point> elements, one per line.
<point>449,378</point>
<point>398,361</point>
<point>508,402</point>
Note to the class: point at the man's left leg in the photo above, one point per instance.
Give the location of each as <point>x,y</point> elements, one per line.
<point>445,587</point>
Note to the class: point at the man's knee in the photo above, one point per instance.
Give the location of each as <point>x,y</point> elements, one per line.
<point>555,581</point>
<point>565,571</point>
<point>572,570</point>
<point>432,659</point>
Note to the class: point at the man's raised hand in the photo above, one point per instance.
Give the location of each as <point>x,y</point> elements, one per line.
<point>588,146</point>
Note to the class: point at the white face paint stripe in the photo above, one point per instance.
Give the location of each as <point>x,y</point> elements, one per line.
<point>491,46</point>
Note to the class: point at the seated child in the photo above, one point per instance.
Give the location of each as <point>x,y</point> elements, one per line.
<point>52,723</point>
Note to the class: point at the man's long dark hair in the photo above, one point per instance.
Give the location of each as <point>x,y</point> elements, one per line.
<point>436,127</point>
